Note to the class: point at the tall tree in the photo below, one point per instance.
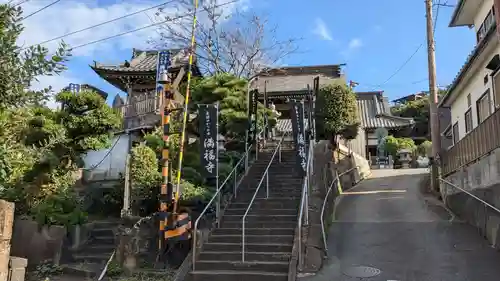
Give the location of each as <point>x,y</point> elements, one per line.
<point>240,43</point>
<point>336,112</point>
<point>20,68</point>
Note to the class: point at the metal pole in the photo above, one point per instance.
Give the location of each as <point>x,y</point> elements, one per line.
<point>433,98</point>
<point>217,214</point>
<point>267,184</point>
<point>235,176</point>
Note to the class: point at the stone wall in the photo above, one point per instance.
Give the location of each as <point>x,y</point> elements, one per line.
<point>482,179</point>
<point>37,244</point>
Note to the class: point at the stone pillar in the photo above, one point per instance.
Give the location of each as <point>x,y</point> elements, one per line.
<point>17,269</point>
<point>6,224</point>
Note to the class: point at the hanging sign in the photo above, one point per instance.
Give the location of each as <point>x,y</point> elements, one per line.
<point>163,63</point>
<point>297,113</point>
<point>74,88</point>
<point>208,126</point>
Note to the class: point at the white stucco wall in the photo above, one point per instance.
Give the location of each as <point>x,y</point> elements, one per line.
<point>483,10</point>
<point>113,164</point>
<point>474,85</point>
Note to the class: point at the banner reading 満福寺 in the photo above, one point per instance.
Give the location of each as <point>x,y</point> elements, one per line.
<point>297,113</point>
<point>208,128</point>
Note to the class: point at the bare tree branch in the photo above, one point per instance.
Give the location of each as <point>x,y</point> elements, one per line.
<point>237,42</point>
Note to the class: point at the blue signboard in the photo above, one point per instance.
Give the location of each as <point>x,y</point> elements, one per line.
<point>162,64</point>
<point>74,88</point>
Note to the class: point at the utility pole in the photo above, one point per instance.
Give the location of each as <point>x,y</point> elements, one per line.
<point>433,98</point>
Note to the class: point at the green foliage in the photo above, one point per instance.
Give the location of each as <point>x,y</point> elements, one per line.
<point>424,148</point>
<point>392,145</point>
<point>336,112</point>
<point>19,68</point>
<point>419,111</point>
<point>230,92</point>
<point>144,167</point>
<point>47,269</point>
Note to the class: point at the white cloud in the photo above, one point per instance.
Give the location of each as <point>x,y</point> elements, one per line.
<point>355,43</point>
<point>322,30</point>
<point>68,16</point>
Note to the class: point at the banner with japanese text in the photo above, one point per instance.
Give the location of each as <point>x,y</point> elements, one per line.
<point>297,114</point>
<point>163,63</point>
<point>208,128</point>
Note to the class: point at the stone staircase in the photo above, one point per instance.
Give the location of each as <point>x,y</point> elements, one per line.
<point>91,258</point>
<point>269,228</point>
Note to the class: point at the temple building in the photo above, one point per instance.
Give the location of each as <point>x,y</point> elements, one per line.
<point>137,77</point>
<point>286,83</point>
<point>140,108</point>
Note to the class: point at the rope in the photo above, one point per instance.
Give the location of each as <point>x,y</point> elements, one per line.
<point>186,103</point>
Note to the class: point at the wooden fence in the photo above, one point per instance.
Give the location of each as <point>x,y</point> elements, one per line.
<point>479,142</point>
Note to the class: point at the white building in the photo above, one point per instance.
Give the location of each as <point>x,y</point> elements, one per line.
<point>475,93</point>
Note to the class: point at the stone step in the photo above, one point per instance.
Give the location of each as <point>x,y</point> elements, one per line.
<point>102,240</point>
<point>272,198</point>
<point>249,256</point>
<point>103,232</point>
<point>253,211</point>
<point>261,218</point>
<point>86,270</point>
<point>273,192</point>
<point>233,275</point>
<point>251,238</point>
<point>255,231</point>
<point>260,266</point>
<point>259,224</point>
<point>91,258</point>
<point>258,204</point>
<point>276,188</point>
<point>97,249</point>
<point>250,247</point>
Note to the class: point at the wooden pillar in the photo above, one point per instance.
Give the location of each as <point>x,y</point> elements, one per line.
<point>6,224</point>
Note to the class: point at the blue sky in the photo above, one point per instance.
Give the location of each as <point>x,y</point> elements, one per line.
<point>373,38</point>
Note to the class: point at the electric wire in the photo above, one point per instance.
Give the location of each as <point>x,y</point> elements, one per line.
<point>41,9</point>
<point>101,24</point>
<point>144,27</point>
<point>416,51</point>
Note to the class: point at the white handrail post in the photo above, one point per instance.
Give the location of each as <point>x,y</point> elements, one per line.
<point>243,240</point>
<point>279,154</point>
<point>235,177</point>
<point>267,184</point>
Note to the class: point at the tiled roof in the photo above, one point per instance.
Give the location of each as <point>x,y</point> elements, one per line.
<point>374,112</point>
<point>290,83</point>
<point>145,61</point>
<point>330,70</point>
<point>285,125</point>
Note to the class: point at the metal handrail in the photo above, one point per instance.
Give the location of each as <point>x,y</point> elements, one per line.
<point>304,201</point>
<point>216,196</point>
<point>264,176</point>
<point>470,194</point>
<point>336,180</point>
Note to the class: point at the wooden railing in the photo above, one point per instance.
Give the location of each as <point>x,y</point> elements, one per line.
<point>146,106</point>
<point>479,142</point>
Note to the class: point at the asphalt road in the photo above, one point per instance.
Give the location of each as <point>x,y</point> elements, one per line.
<point>386,223</point>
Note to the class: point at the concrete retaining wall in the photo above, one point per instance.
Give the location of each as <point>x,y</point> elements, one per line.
<point>481,178</point>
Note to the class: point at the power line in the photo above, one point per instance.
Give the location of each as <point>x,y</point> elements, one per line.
<point>101,24</point>
<point>41,9</point>
<point>415,52</point>
<point>145,27</point>
<point>20,3</point>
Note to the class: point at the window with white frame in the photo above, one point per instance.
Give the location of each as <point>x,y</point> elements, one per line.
<point>468,120</point>
<point>483,105</point>
<point>455,132</point>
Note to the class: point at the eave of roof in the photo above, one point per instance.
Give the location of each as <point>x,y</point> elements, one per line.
<point>456,12</point>
<point>468,63</point>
